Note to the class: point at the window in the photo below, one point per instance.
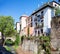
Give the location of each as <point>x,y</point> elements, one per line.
<point>35,14</point>
<point>42,12</point>
<point>55,5</point>
<point>59,22</point>
<point>41,20</point>
<point>36,24</point>
<point>38,32</point>
<point>38,16</point>
<point>35,32</point>
<point>31,24</point>
<point>31,18</point>
<point>35,19</point>
<point>38,19</point>
<point>41,30</point>
<point>20,27</point>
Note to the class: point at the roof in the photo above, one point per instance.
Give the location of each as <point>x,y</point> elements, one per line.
<point>48,4</point>
<point>55,2</point>
<point>24,16</point>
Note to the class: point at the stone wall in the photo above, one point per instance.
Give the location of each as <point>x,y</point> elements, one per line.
<point>30,45</point>
<point>55,35</point>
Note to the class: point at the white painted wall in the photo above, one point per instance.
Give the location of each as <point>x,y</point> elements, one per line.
<point>55,4</point>
<point>18,27</point>
<point>23,22</point>
<point>48,14</point>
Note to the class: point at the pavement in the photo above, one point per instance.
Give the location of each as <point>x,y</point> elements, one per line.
<point>20,51</point>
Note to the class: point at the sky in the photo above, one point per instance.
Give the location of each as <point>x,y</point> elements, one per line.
<point>17,8</point>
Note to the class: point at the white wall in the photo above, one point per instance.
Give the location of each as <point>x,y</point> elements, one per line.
<point>18,26</point>
<point>23,22</point>
<point>48,14</point>
<point>55,4</point>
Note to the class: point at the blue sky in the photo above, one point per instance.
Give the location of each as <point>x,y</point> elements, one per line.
<point>16,8</point>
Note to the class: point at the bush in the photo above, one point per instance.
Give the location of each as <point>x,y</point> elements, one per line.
<point>9,42</point>
<point>45,43</point>
<point>45,38</point>
<point>57,12</point>
<point>8,48</point>
<point>17,41</point>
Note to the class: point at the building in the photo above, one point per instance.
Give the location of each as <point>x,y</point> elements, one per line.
<point>18,27</point>
<point>39,22</point>
<point>23,25</point>
<point>41,18</point>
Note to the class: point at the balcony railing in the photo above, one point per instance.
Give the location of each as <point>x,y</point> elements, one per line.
<point>39,25</point>
<point>35,19</point>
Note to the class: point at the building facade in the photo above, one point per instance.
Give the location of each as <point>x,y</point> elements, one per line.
<point>41,18</point>
<point>39,22</point>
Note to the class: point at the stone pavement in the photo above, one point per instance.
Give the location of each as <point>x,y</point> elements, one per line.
<point>20,51</point>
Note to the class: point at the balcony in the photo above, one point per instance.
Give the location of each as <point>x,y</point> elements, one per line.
<point>41,17</point>
<point>39,25</point>
<point>35,19</point>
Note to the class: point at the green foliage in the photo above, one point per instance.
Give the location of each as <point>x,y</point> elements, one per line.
<point>15,47</point>
<point>48,50</point>
<point>7,25</point>
<point>45,43</point>
<point>28,30</point>
<point>17,41</point>
<point>57,12</point>
<point>8,48</point>
<point>44,38</point>
<point>9,42</point>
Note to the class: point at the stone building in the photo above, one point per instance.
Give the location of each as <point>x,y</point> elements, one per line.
<point>55,35</point>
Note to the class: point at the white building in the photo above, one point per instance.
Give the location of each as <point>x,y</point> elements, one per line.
<point>41,18</point>
<point>23,24</point>
<point>18,27</point>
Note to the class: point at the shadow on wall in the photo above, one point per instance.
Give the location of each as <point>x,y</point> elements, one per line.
<point>48,31</point>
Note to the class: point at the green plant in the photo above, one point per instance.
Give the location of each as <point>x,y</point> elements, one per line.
<point>8,48</point>
<point>17,41</point>
<point>57,12</point>
<point>47,50</point>
<point>45,43</point>
<point>9,42</point>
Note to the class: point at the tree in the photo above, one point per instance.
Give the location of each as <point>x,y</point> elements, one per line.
<point>57,12</point>
<point>6,26</point>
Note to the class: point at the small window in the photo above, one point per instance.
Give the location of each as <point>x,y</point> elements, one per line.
<point>42,12</point>
<point>38,16</point>
<point>31,18</point>
<point>38,32</point>
<point>35,14</point>
<point>55,5</point>
<point>36,24</point>
<point>59,22</point>
<point>31,24</point>
<point>41,30</point>
<point>41,20</point>
<point>35,32</point>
